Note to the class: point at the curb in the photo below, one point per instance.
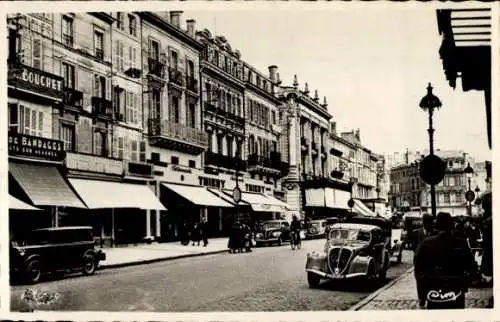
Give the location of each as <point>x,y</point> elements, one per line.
<point>160,259</point>
<point>370,297</point>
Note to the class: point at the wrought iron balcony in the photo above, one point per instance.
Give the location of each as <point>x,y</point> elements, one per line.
<point>102,107</point>
<point>177,136</point>
<point>271,166</point>
<point>192,84</point>
<point>175,76</point>
<point>337,174</point>
<point>156,68</point>
<point>210,107</point>
<point>236,118</point>
<point>224,161</point>
<point>73,98</point>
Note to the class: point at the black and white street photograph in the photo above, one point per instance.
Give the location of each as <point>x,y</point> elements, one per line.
<point>249,159</point>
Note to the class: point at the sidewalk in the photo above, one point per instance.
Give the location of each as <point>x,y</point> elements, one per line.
<point>143,254</point>
<point>401,294</point>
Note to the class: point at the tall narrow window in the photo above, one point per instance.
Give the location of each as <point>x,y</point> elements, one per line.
<point>99,86</point>
<point>13,118</point>
<point>99,143</point>
<point>155,104</point>
<point>68,137</point>
<point>142,151</point>
<point>208,90</point>
<point>175,117</point>
<point>174,60</point>
<point>133,151</point>
<point>229,146</point>
<point>190,68</point>
<point>13,45</point>
<point>37,53</point>
<point>121,148</point>
<point>68,72</point>
<point>220,148</point>
<point>67,31</point>
<point>119,21</point>
<point>99,44</point>
<point>191,115</point>
<point>132,25</point>
<point>154,50</point>
<point>132,57</point>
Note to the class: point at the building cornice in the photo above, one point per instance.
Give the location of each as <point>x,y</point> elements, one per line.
<point>260,91</point>
<point>220,74</point>
<point>170,29</point>
<point>104,16</point>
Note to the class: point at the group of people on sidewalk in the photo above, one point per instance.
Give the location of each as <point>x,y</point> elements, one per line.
<point>241,237</point>
<point>444,258</point>
<point>195,232</point>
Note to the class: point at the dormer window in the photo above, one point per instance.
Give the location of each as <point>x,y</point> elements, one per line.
<point>265,85</point>
<point>258,81</point>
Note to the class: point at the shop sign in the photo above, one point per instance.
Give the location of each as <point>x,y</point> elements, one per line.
<point>36,80</point>
<point>35,147</point>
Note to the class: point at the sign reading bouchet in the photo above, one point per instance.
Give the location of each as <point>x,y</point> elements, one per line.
<point>36,147</point>
<point>36,80</point>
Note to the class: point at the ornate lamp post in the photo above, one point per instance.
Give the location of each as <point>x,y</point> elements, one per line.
<point>478,200</point>
<point>429,103</point>
<point>469,195</point>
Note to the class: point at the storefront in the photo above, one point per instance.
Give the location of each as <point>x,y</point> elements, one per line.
<point>36,179</point>
<point>326,202</point>
<point>189,204</point>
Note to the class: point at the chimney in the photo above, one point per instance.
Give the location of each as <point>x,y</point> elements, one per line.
<point>175,18</point>
<point>306,89</point>
<point>316,96</point>
<point>273,74</point>
<point>357,135</point>
<point>295,81</point>
<point>333,127</point>
<point>278,80</point>
<point>191,23</point>
<point>325,103</point>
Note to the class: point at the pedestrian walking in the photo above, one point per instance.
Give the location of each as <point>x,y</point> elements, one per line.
<point>444,266</point>
<point>204,231</point>
<point>425,231</point>
<point>195,234</point>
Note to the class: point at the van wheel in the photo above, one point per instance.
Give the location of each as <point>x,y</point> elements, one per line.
<point>313,280</point>
<point>89,264</point>
<point>33,272</point>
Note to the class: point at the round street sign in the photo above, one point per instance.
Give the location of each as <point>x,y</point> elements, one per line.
<point>469,195</point>
<point>350,203</point>
<point>237,194</point>
<point>432,169</point>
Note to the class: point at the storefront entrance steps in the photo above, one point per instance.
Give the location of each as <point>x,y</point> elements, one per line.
<point>156,252</point>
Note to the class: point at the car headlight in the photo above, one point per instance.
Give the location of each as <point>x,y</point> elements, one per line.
<point>276,234</point>
<point>21,251</point>
<point>258,235</point>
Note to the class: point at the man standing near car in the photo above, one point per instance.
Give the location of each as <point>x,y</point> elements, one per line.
<point>443,262</point>
<point>425,231</point>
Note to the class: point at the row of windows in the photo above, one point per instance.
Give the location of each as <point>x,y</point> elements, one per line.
<point>225,62</point>
<point>125,57</point>
<point>124,20</point>
<point>68,35</point>
<point>25,120</point>
<point>261,146</point>
<point>157,54</point>
<point>223,99</point>
<point>260,114</point>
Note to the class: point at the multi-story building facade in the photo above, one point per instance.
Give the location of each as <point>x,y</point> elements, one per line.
<point>310,187</point>
<point>409,190</point>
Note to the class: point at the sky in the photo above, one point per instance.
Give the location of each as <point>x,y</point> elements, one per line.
<point>373,65</point>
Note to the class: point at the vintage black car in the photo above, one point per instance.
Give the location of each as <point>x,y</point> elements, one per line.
<point>272,232</point>
<point>53,250</point>
<point>316,229</point>
<point>360,248</point>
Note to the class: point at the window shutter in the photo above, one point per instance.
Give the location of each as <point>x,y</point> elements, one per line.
<point>37,53</point>
<point>40,123</point>
<point>142,148</point>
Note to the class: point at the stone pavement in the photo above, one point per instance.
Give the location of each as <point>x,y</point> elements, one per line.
<point>143,254</point>
<point>402,295</point>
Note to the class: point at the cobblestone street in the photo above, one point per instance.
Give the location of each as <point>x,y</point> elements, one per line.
<point>268,279</point>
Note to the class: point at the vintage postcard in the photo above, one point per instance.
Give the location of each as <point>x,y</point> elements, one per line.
<point>215,158</point>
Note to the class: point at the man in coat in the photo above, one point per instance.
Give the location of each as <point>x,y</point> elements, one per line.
<point>443,262</point>
<point>425,231</point>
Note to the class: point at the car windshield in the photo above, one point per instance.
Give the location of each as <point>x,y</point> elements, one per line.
<point>315,224</point>
<point>270,225</point>
<point>350,235</point>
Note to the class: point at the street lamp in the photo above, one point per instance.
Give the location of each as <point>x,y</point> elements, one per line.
<point>429,103</point>
<point>478,200</point>
<point>469,195</point>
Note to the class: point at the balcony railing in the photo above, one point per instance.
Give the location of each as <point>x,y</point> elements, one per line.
<point>236,118</point>
<point>156,68</point>
<point>102,107</point>
<point>224,161</point>
<point>192,84</point>
<point>178,132</point>
<point>210,107</point>
<point>175,76</point>
<point>274,162</point>
<point>73,97</point>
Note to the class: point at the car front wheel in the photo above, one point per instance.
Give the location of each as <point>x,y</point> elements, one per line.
<point>33,271</point>
<point>89,264</point>
<point>313,280</point>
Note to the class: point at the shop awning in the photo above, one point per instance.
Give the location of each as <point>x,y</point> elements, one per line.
<point>362,209</point>
<point>315,197</point>
<point>278,202</point>
<point>104,194</point>
<point>341,199</point>
<point>260,202</point>
<point>44,185</point>
<point>16,204</point>
<point>200,196</point>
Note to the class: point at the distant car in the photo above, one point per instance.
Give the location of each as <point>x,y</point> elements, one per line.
<point>316,229</point>
<point>272,232</point>
<point>329,224</point>
<point>360,248</point>
<point>52,250</point>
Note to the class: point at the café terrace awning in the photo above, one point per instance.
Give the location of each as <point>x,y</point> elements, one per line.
<point>105,194</point>
<point>200,196</point>
<point>16,204</point>
<point>44,184</point>
<point>362,209</point>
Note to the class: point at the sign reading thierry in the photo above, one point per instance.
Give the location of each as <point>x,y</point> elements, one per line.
<point>36,147</point>
<point>36,80</point>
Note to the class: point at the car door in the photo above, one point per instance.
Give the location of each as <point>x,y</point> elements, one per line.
<point>378,249</point>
